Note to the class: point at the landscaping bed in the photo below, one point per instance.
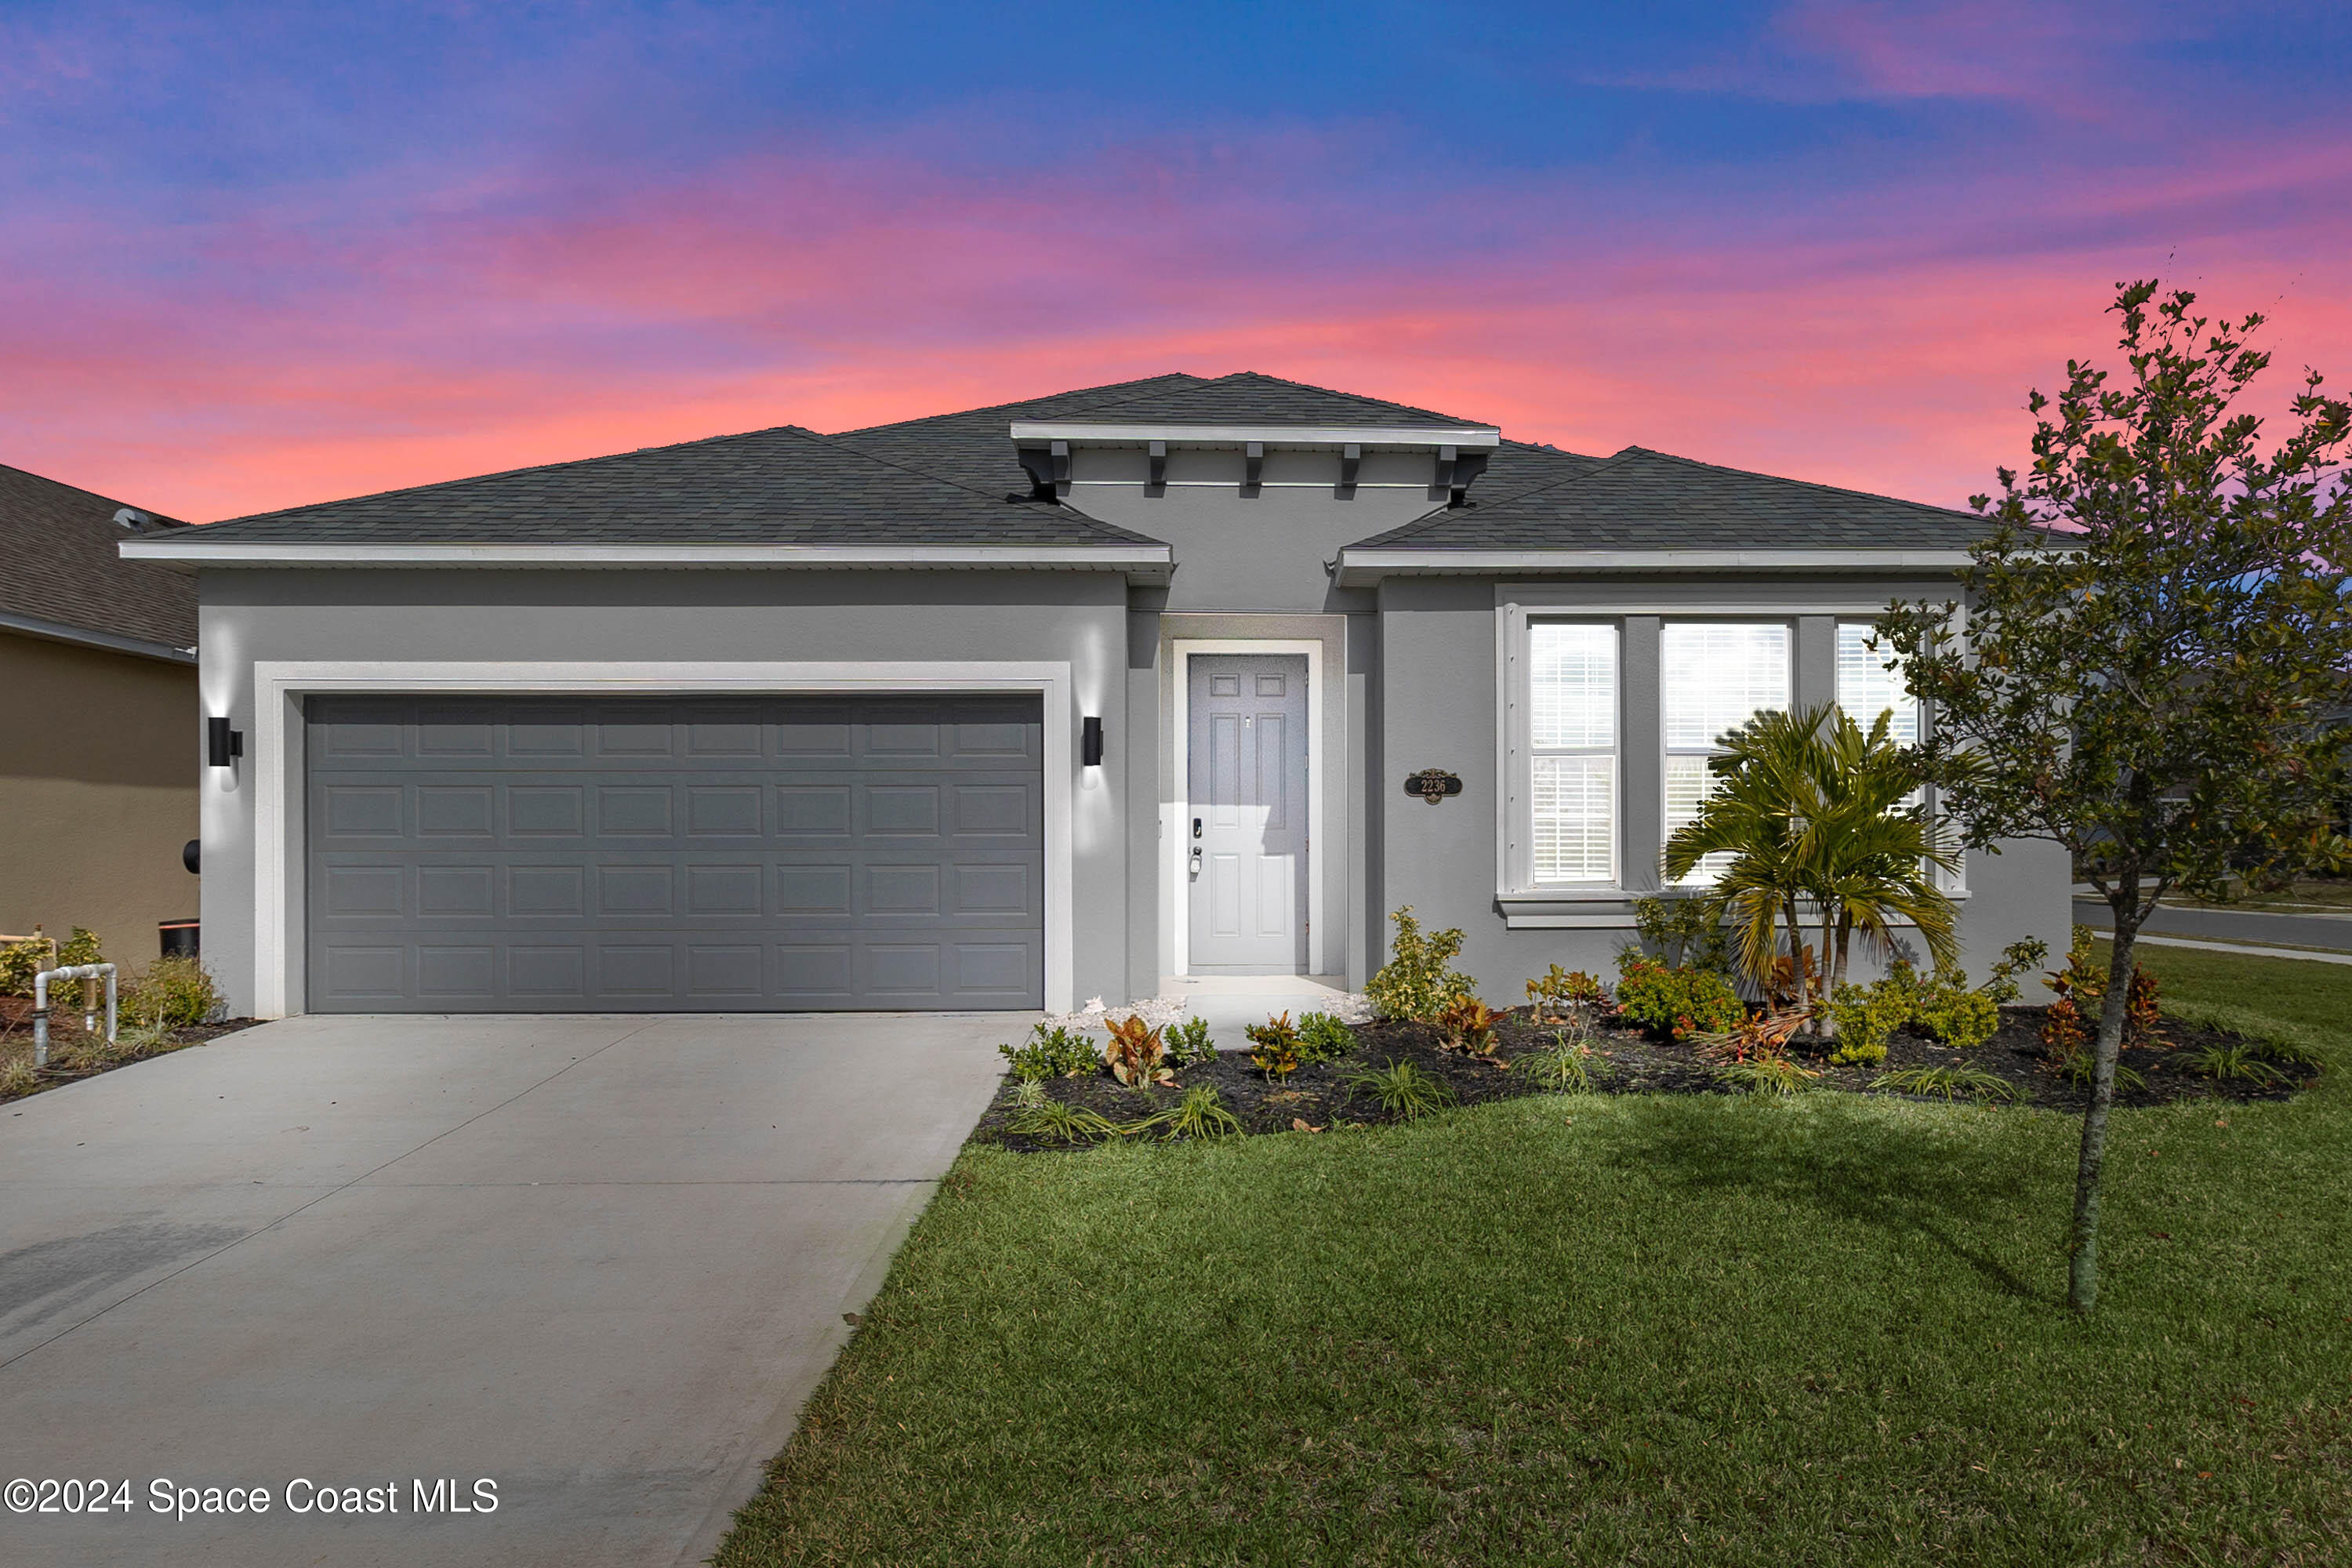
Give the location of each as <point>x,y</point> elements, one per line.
<point>1627,1059</point>
<point>74,1054</point>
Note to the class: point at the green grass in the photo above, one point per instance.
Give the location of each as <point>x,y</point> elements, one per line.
<point>1686,1329</point>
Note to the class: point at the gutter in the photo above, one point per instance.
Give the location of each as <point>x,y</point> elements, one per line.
<point>57,631</point>
<point>1141,562</point>
<point>1361,568</point>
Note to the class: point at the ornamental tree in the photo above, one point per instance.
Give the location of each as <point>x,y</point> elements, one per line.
<point>2155,647</point>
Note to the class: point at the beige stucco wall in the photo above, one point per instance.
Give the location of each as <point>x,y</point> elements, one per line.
<point>100,757</point>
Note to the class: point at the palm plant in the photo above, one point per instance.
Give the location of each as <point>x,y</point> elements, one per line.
<point>1814,810</point>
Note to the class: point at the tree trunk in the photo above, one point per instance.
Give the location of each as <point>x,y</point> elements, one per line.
<point>2083,1245</point>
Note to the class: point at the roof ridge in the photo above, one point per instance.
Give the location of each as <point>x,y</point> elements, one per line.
<point>509,473</point>
<point>1805,484</point>
<point>1140,382</point>
<point>1354,397</point>
<point>115,502</point>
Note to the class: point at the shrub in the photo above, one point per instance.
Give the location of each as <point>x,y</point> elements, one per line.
<point>1468,1024</point>
<point>1567,1066</point>
<point>21,961</point>
<point>1961,1018</point>
<point>2016,959</point>
<point>1324,1039</point>
<point>1684,933</point>
<point>174,993</point>
<point>2082,989</point>
<point>1559,992</point>
<point>1951,1082</point>
<point>1867,1018</point>
<point>1028,1093</point>
<point>18,1075</point>
<point>1133,1053</point>
<point>1274,1047</point>
<point>1049,1053</point>
<point>1677,1003</point>
<point>1416,983</point>
<point>1403,1089</point>
<point>1202,1115</point>
<point>1189,1042</point>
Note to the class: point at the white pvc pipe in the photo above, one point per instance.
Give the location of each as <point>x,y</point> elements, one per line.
<point>89,1021</point>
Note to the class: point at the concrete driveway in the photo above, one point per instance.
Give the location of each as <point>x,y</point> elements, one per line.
<point>596,1261</point>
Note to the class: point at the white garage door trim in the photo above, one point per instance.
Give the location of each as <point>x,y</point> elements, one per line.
<point>278,763</point>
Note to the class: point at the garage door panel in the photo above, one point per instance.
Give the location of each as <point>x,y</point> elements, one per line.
<point>552,854</point>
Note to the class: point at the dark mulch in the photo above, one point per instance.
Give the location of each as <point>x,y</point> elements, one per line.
<point>1637,1063</point>
<point>75,1055</point>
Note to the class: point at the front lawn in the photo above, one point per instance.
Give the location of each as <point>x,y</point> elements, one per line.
<point>1651,1329</point>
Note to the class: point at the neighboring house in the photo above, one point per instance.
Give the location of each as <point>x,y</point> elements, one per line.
<point>1010,708</point>
<point>98,761</point>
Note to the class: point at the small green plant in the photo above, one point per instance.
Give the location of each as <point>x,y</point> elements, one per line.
<point>1029,1094</point>
<point>1559,995</point>
<point>1416,983</point>
<point>1867,1017</point>
<point>1677,1003</point>
<point>2082,989</point>
<point>1771,1073</point>
<point>1133,1051</point>
<point>1324,1039</point>
<point>1950,1082</point>
<point>2078,1066</point>
<point>1066,1123</point>
<point>1468,1024</point>
<point>1402,1090</point>
<point>1188,1043</point>
<point>2017,958</point>
<point>1959,1017</point>
<point>1568,1066</point>
<point>2242,1061</point>
<point>178,993</point>
<point>1274,1047</point>
<point>1684,933</point>
<point>1200,1116</point>
<point>18,1075</point>
<point>1049,1053</point>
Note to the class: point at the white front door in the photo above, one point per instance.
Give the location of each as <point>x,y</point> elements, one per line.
<point>1245,820</point>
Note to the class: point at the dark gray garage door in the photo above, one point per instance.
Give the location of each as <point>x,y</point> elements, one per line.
<point>689,853</point>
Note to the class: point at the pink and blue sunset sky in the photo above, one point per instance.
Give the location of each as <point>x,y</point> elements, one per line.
<point>256,256</point>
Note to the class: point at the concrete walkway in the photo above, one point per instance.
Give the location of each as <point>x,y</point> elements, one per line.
<point>596,1261</point>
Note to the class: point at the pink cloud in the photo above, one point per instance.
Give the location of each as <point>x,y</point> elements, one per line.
<point>1884,339</point>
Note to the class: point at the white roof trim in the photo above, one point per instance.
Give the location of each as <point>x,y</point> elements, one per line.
<point>1372,438</point>
<point>1360,568</point>
<point>113,642</point>
<point>1145,559</point>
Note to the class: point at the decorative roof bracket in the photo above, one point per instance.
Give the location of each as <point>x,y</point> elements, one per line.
<point>1253,468</point>
<point>1157,485</point>
<point>1352,458</point>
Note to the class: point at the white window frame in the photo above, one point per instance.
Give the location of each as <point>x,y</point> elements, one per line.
<point>1668,750</point>
<point>1954,881</point>
<point>1514,805</point>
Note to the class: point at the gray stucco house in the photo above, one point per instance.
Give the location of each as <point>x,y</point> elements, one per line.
<point>1009,707</point>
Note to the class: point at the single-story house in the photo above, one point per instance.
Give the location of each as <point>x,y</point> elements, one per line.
<point>99,759</point>
<point>1010,708</point>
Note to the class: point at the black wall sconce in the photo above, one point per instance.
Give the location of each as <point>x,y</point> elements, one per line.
<point>1090,744</point>
<point>223,745</point>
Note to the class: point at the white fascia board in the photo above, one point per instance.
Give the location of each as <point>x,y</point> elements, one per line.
<point>1135,559</point>
<point>58,631</point>
<point>1361,568</point>
<point>1294,437</point>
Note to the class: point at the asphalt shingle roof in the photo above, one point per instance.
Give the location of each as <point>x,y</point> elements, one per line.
<point>781,486</point>
<point>1640,499</point>
<point>1246,398</point>
<point>62,566</point>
